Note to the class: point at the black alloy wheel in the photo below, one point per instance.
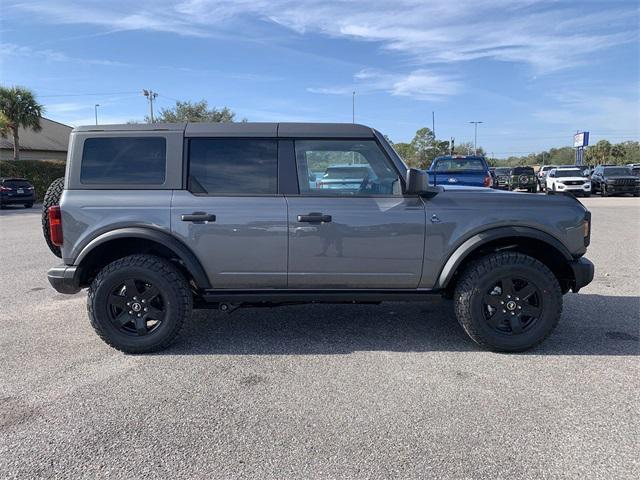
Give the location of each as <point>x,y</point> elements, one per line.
<point>512,305</point>
<point>136,307</point>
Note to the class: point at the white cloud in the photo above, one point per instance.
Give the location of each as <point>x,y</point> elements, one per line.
<point>593,111</point>
<point>11,49</point>
<point>547,35</point>
<point>419,84</point>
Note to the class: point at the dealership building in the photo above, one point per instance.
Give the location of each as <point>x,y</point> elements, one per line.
<point>50,143</point>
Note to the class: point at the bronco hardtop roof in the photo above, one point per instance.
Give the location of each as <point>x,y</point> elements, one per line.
<point>244,129</point>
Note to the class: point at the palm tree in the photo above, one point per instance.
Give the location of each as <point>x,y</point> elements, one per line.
<point>19,109</point>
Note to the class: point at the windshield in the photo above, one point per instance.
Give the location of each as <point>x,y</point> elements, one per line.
<point>502,171</point>
<point>17,183</point>
<point>347,172</point>
<point>569,172</point>
<point>546,168</point>
<point>458,164</point>
<point>617,171</point>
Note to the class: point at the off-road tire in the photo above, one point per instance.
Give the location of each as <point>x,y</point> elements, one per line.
<point>52,197</point>
<point>160,273</point>
<point>468,300</point>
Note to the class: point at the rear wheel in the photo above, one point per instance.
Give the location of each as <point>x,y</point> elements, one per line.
<point>51,198</point>
<point>508,301</point>
<point>137,304</point>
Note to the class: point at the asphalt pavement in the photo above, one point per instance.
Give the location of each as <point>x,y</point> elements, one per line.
<point>323,391</point>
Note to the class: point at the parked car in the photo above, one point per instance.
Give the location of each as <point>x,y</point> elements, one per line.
<point>346,177</point>
<point>464,170</point>
<point>568,179</point>
<point>157,221</point>
<point>501,178</point>
<point>542,175</point>
<point>615,180</point>
<point>16,191</point>
<point>523,178</point>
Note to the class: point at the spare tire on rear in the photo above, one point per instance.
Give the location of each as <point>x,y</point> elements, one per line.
<point>52,197</point>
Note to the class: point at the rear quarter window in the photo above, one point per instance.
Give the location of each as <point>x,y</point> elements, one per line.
<point>124,161</point>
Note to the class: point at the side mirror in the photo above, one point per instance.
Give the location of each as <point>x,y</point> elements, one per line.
<point>417,181</point>
<point>312,177</point>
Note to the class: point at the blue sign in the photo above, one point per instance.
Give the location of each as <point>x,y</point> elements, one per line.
<point>581,139</point>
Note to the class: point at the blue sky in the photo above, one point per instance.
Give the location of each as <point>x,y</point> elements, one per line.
<point>533,71</point>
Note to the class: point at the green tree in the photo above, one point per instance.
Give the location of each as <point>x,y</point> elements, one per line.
<point>19,109</point>
<point>194,112</point>
<point>4,125</point>
<point>466,148</point>
<point>406,152</point>
<point>617,153</point>
<point>426,147</point>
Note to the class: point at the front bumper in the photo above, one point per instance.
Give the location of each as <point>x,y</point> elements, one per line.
<point>64,279</point>
<point>635,189</point>
<point>584,188</point>
<point>583,271</point>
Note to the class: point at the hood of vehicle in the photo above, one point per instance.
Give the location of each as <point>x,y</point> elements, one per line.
<point>620,177</point>
<point>562,179</point>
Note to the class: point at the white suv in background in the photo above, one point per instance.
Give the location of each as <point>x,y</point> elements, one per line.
<point>568,179</point>
<point>542,175</point>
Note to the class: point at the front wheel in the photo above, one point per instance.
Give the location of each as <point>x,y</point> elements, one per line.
<point>508,301</point>
<point>137,304</point>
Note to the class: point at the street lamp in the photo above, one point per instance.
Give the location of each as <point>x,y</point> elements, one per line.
<point>475,136</point>
<point>353,107</point>
<point>95,107</point>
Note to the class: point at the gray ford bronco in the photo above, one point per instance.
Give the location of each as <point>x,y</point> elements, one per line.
<point>158,219</point>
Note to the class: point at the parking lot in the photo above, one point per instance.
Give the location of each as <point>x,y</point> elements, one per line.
<point>323,391</point>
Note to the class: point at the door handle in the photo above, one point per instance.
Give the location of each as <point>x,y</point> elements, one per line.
<point>198,217</point>
<point>314,217</point>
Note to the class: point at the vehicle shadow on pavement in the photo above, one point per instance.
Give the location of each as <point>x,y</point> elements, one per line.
<point>13,210</point>
<point>590,325</point>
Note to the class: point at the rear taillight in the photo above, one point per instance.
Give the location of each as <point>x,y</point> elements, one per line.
<point>5,189</point>
<point>487,181</point>
<point>55,225</point>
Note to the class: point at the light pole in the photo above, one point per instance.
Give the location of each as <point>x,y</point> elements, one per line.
<point>433,123</point>
<point>95,108</point>
<point>353,107</point>
<point>151,95</point>
<point>475,136</point>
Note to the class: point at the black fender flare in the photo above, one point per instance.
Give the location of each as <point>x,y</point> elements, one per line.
<point>468,246</point>
<point>183,252</point>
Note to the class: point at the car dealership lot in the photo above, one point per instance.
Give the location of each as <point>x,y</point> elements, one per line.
<point>324,391</point>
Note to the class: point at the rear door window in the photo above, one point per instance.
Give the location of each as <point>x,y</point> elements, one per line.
<point>124,161</point>
<point>225,166</point>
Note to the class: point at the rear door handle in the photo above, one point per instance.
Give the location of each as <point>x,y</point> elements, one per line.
<point>198,217</point>
<point>314,217</point>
